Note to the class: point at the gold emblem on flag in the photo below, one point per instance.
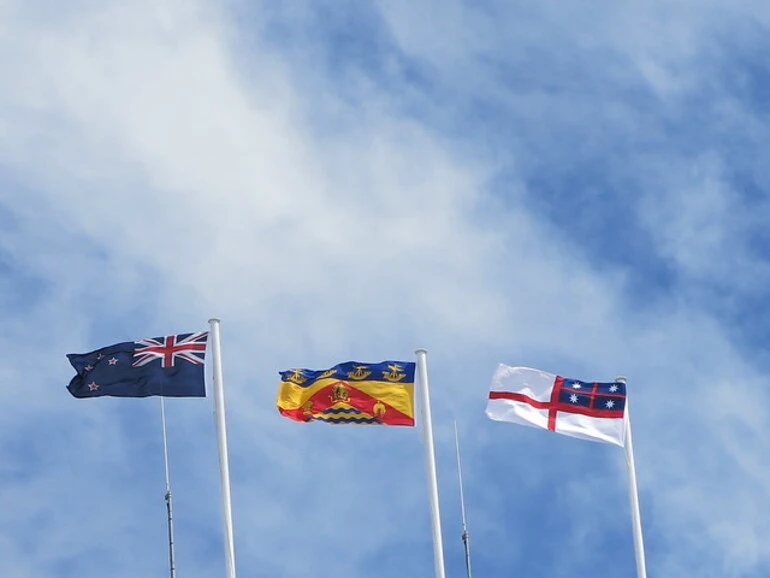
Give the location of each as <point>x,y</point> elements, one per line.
<point>327,373</point>
<point>307,408</point>
<point>295,376</point>
<point>395,373</point>
<point>379,409</point>
<point>340,393</point>
<point>359,372</point>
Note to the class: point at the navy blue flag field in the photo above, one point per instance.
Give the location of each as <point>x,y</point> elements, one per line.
<point>169,366</point>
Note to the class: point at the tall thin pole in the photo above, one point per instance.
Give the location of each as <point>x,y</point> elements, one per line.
<point>633,494</point>
<point>224,466</point>
<point>169,512</point>
<point>430,463</point>
<point>466,540</point>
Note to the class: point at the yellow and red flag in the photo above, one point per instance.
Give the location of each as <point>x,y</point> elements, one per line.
<point>361,393</point>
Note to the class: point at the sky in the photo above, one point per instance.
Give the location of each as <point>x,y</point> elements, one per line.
<point>577,187</point>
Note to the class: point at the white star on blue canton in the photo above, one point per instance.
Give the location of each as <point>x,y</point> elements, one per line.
<point>613,388</point>
<point>610,404</point>
<point>577,385</point>
<point>573,398</point>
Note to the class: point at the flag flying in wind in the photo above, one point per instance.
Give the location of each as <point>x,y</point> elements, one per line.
<point>587,410</point>
<point>169,366</point>
<point>352,392</point>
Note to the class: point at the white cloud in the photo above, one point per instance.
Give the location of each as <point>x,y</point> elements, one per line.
<point>160,183</point>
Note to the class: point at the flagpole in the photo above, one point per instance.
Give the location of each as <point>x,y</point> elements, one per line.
<point>171,561</point>
<point>465,537</point>
<point>430,463</point>
<point>633,494</point>
<point>224,467</point>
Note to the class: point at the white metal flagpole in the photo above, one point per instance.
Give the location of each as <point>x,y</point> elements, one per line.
<point>224,467</point>
<point>633,494</point>
<point>430,462</point>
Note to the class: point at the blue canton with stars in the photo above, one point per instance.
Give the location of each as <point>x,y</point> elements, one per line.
<point>600,396</point>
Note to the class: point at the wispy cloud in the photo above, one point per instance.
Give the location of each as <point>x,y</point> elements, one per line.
<point>554,186</point>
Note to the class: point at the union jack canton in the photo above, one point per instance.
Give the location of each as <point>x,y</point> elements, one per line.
<point>191,348</point>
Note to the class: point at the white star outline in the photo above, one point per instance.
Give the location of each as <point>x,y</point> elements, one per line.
<point>573,398</point>
<point>610,404</point>
<point>577,385</point>
<point>613,388</point>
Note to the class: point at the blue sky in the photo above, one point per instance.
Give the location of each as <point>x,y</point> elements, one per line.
<point>578,188</point>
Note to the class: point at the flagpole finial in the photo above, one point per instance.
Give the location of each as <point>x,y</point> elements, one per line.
<point>621,379</point>
<point>420,350</point>
<point>215,320</point>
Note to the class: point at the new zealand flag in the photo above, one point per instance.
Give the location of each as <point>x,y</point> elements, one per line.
<point>169,366</point>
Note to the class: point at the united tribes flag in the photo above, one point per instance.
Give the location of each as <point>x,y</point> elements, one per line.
<point>588,410</point>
